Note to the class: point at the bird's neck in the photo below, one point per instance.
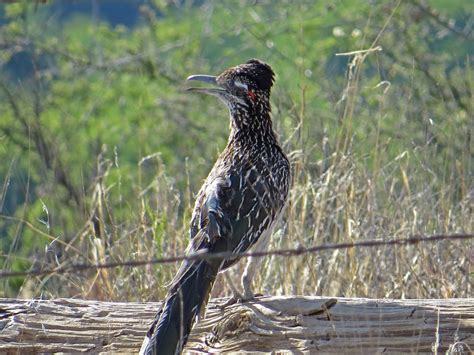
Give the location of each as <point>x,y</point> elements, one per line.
<point>250,127</point>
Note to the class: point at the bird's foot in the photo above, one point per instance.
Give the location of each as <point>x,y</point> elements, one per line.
<point>233,300</point>
<point>239,298</point>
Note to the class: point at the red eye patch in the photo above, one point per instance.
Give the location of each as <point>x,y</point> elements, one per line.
<point>252,96</point>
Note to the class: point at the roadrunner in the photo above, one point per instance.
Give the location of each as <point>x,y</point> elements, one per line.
<point>237,206</point>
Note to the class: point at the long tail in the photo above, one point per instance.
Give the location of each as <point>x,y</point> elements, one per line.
<point>186,298</point>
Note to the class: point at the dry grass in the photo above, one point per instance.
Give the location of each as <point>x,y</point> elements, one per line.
<point>342,197</point>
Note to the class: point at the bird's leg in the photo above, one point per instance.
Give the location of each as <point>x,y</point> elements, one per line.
<point>236,295</point>
<point>253,265</point>
<point>248,276</point>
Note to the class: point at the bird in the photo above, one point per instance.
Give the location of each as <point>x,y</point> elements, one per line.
<point>236,208</point>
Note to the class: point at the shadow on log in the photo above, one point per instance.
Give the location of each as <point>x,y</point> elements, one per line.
<point>276,324</point>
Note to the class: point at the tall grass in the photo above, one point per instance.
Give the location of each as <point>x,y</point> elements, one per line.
<point>344,196</point>
<point>355,177</point>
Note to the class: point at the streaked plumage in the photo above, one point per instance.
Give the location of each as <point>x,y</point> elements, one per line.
<point>239,202</point>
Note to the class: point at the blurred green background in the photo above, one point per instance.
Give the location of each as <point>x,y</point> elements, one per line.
<point>102,149</point>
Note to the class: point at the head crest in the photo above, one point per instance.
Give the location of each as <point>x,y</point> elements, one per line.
<point>261,73</point>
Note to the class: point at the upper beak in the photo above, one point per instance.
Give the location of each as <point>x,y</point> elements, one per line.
<point>207,79</point>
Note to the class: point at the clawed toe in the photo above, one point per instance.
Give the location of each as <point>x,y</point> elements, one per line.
<point>233,300</point>
<point>229,302</point>
<point>243,299</point>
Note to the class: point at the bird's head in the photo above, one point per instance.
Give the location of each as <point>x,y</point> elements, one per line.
<point>246,86</point>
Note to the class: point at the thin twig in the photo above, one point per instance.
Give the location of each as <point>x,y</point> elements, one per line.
<point>361,51</point>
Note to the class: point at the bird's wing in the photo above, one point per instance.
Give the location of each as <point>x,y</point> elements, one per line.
<point>233,210</point>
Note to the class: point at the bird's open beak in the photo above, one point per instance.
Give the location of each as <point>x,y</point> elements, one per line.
<point>206,79</point>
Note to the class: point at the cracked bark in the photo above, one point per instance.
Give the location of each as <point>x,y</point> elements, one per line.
<point>288,324</point>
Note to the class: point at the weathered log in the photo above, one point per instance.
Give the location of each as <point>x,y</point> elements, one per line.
<point>276,324</point>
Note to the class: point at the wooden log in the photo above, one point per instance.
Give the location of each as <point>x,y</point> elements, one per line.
<point>269,324</point>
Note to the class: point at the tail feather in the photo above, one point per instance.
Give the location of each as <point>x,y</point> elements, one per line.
<point>186,299</point>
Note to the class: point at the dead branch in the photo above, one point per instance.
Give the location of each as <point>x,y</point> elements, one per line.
<point>293,324</point>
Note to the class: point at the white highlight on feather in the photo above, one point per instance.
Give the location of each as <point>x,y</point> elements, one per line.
<point>241,85</point>
<point>144,345</point>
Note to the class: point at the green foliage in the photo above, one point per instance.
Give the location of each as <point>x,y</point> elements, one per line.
<point>103,149</point>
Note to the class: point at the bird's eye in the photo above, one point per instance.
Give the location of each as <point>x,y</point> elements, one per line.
<point>241,85</point>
